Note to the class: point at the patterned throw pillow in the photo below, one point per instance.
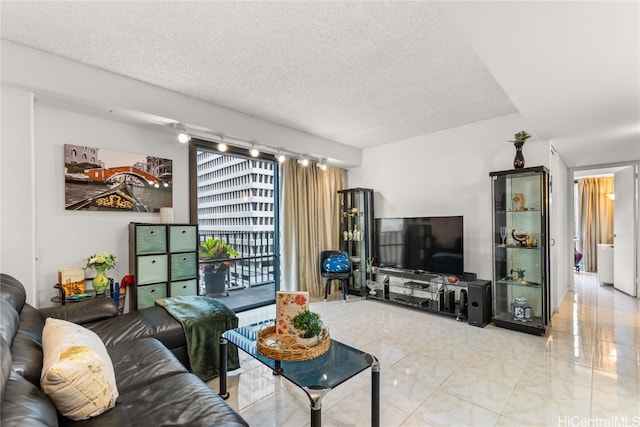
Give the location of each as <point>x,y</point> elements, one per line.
<point>77,373</point>
<point>337,263</point>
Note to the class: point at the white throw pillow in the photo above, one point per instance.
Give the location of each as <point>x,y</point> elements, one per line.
<point>77,373</point>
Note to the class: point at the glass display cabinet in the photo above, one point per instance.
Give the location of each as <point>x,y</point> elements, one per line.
<point>356,235</point>
<point>521,249</point>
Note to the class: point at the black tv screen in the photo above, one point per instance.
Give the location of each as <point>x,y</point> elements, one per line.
<point>432,244</point>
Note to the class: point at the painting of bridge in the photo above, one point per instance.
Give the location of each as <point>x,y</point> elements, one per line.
<point>103,180</point>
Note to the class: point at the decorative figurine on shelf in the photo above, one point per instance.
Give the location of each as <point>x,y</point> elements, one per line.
<point>519,307</point>
<point>520,237</point>
<point>518,202</point>
<point>519,273</point>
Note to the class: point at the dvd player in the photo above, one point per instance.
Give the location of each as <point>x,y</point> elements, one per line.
<point>410,300</point>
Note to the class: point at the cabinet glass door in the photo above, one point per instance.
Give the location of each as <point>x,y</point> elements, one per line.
<point>356,210</point>
<point>520,255</point>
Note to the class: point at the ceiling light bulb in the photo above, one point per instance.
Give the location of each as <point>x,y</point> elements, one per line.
<point>254,152</point>
<point>281,158</point>
<point>184,138</point>
<point>222,147</point>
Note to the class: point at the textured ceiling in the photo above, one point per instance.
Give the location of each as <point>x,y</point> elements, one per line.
<point>359,73</point>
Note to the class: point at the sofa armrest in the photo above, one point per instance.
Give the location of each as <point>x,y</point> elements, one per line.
<point>82,312</point>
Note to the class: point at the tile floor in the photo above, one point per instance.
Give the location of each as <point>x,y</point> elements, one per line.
<point>439,372</point>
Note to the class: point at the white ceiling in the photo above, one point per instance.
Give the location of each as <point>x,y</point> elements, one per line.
<point>368,73</point>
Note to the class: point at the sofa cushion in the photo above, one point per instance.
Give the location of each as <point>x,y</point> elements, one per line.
<point>24,404</point>
<point>142,362</point>
<point>77,373</point>
<point>27,345</point>
<point>12,291</point>
<point>150,322</point>
<point>9,321</point>
<point>178,400</point>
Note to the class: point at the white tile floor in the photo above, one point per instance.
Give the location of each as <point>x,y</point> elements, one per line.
<point>439,372</point>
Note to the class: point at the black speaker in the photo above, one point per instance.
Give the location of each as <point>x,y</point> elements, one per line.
<point>479,309</point>
<point>448,301</point>
<point>462,310</point>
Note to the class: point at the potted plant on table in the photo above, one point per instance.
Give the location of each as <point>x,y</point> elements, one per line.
<point>310,328</point>
<point>215,272</point>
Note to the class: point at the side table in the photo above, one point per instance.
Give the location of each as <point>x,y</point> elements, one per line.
<point>61,298</point>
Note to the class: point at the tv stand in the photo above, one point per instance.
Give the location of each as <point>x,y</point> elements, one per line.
<point>421,290</point>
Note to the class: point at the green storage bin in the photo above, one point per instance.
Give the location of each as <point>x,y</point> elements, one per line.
<point>147,295</point>
<point>151,239</point>
<point>184,287</point>
<point>152,269</point>
<point>184,266</point>
<point>183,238</point>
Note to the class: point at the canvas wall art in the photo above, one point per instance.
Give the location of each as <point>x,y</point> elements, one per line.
<point>103,180</point>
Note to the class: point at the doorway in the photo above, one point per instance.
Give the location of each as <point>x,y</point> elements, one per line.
<point>619,240</point>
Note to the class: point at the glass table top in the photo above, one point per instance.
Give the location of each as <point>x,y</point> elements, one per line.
<point>340,363</point>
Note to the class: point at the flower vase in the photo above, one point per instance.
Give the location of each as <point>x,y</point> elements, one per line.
<point>100,281</point>
<point>518,162</point>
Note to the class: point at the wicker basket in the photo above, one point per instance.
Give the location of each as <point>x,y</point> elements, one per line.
<point>285,348</point>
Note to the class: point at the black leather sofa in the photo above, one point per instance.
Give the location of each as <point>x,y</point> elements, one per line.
<point>148,352</point>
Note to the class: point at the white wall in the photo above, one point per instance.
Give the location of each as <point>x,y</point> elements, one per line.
<point>17,209</point>
<point>561,230</point>
<point>447,173</point>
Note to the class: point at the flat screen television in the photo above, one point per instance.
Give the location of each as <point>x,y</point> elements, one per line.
<point>432,244</point>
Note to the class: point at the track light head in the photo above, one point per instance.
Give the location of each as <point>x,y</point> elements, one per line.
<point>304,162</point>
<point>254,152</point>
<point>222,147</point>
<point>184,137</point>
<point>281,158</point>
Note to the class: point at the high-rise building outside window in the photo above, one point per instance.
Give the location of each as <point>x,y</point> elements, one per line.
<point>236,201</point>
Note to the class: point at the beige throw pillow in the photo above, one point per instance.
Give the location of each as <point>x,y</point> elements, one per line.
<point>77,373</point>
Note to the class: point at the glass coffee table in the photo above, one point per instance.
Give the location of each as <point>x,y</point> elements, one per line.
<point>315,376</point>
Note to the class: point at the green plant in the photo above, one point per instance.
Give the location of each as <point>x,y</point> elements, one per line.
<point>216,249</point>
<point>308,323</point>
<point>521,136</point>
<point>102,260</point>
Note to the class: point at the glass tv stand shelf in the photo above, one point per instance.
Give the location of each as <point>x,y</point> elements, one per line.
<point>425,291</point>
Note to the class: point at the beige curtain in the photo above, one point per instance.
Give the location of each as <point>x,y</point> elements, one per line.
<point>596,218</point>
<point>309,223</point>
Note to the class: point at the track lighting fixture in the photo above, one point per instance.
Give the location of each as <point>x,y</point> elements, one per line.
<point>237,145</point>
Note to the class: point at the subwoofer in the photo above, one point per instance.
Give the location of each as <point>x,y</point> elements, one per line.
<point>479,309</point>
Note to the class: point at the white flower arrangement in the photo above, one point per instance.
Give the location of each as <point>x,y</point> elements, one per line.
<point>103,260</point>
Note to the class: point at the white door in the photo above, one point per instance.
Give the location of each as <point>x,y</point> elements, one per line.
<point>624,231</point>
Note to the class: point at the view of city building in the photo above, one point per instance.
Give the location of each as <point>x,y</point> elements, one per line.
<point>236,198</point>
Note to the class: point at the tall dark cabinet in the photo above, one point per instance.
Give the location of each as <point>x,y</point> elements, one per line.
<point>356,234</point>
<point>521,249</point>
